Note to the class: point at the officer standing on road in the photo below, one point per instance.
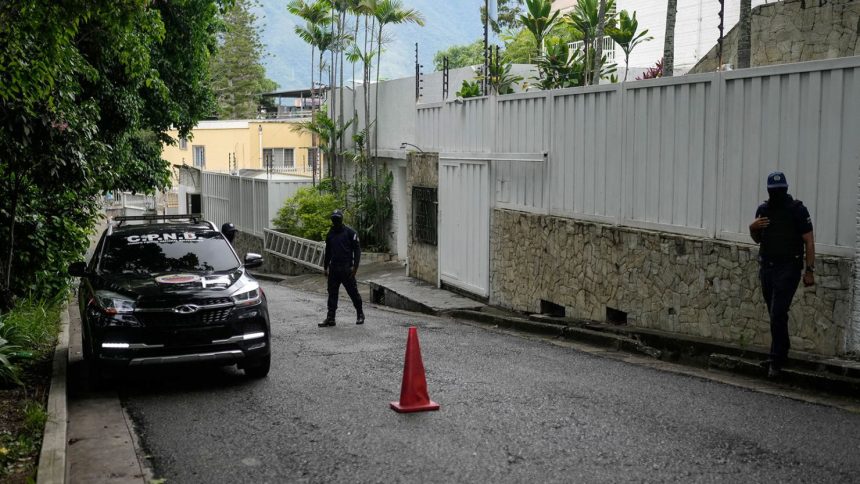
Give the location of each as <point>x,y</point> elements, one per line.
<point>783,228</point>
<point>342,255</point>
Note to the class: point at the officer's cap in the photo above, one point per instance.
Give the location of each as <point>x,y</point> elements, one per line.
<point>777,180</point>
<point>337,214</point>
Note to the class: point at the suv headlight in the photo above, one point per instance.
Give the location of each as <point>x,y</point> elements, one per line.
<point>113,303</point>
<point>249,297</point>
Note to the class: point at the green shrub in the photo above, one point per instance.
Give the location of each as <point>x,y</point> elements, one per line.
<point>28,332</point>
<point>307,214</point>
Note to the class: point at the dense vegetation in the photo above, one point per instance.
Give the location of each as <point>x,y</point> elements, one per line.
<point>88,90</point>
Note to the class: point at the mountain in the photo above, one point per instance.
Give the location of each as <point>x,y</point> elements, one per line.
<point>448,22</point>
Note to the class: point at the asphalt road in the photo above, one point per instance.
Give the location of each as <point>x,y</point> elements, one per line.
<point>514,409</point>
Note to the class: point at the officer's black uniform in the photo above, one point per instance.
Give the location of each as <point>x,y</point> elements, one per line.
<point>342,253</point>
<point>781,264</point>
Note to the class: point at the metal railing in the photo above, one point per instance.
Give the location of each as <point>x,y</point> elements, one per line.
<point>608,48</point>
<point>308,253</point>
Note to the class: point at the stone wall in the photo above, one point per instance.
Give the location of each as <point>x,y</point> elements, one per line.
<point>688,285</point>
<point>794,31</point>
<point>244,243</point>
<point>422,169</point>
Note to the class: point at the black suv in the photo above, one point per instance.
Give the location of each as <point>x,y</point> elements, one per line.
<point>171,289</point>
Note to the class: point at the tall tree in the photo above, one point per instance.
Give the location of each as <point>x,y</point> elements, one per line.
<point>507,15</point>
<point>586,18</point>
<point>669,42</point>
<point>539,19</point>
<point>744,36</point>
<point>463,55</point>
<point>598,41</point>
<point>88,90</point>
<point>388,12</point>
<point>316,16</point>
<point>238,75</point>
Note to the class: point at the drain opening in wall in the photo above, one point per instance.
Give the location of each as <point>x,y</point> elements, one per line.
<point>615,316</point>
<point>377,295</point>
<point>552,309</point>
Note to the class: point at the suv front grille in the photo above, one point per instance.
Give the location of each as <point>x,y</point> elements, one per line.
<point>175,320</point>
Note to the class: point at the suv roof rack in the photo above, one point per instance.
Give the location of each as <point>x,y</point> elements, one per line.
<point>155,218</point>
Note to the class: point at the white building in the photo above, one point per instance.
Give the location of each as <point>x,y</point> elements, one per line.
<point>696,28</point>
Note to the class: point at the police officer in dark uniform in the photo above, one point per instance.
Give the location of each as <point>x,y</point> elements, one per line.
<point>342,255</point>
<point>783,228</point>
<point>229,231</point>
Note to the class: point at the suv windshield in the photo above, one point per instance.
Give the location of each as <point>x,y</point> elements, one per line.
<point>159,252</point>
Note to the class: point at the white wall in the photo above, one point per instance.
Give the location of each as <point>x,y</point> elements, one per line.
<point>687,154</point>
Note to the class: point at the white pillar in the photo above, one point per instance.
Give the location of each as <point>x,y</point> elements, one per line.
<point>852,336</point>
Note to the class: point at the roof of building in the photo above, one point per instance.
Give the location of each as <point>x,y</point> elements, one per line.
<point>295,93</point>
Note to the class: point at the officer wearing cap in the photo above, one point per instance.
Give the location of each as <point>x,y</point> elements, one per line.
<point>342,255</point>
<point>229,231</point>
<point>783,230</point>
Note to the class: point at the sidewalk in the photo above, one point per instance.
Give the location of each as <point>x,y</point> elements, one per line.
<point>387,285</point>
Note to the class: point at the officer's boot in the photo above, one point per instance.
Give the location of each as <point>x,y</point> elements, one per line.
<point>328,321</point>
<point>360,318</point>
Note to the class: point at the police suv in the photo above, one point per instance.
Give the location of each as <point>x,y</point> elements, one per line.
<point>171,289</point>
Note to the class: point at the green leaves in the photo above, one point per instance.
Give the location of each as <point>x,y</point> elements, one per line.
<point>626,34</point>
<point>539,19</point>
<point>460,55</point>
<point>87,93</point>
<point>469,89</point>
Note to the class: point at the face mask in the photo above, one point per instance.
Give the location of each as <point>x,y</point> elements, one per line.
<point>778,197</point>
<point>337,222</point>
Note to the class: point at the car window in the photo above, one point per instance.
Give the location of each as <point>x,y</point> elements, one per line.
<point>159,252</point>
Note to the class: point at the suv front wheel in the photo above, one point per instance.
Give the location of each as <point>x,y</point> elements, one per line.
<point>259,368</point>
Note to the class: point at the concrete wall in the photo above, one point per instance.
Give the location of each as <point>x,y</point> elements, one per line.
<point>787,32</point>
<point>422,169</point>
<point>244,243</point>
<point>694,286</point>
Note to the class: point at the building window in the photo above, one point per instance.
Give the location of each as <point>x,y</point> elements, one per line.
<point>199,156</point>
<point>183,143</point>
<point>280,158</point>
<point>424,215</point>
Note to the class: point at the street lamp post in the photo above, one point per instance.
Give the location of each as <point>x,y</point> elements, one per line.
<point>260,132</point>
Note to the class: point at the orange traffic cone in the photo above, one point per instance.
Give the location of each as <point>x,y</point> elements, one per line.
<point>413,391</point>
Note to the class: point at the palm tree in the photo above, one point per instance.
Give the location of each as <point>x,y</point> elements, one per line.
<point>539,19</point>
<point>388,12</point>
<point>327,131</point>
<point>598,48</point>
<point>744,36</point>
<point>315,14</point>
<point>586,18</point>
<point>626,37</point>
<point>669,44</point>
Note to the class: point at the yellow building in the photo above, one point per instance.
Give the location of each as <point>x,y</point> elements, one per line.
<point>229,146</point>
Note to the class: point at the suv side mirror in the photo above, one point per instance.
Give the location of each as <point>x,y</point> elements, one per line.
<point>78,269</point>
<point>253,260</point>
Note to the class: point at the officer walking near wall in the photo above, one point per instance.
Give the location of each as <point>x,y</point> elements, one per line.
<point>783,228</point>
<point>342,255</point>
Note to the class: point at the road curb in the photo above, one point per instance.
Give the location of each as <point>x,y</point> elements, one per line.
<point>824,374</point>
<point>52,458</point>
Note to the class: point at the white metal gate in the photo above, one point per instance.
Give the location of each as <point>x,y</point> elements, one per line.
<point>464,212</point>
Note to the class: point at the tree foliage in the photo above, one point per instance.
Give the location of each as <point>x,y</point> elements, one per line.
<point>306,214</point>
<point>463,55</point>
<point>238,75</point>
<point>88,89</point>
<point>627,35</point>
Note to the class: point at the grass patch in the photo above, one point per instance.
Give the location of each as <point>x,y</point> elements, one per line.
<point>28,335</point>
